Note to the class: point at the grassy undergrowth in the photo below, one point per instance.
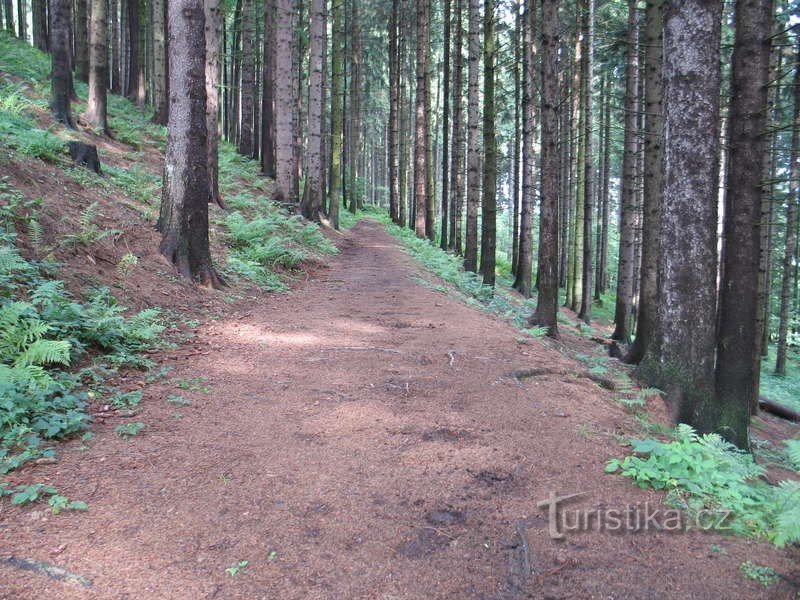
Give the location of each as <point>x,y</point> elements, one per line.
<point>45,334</point>
<point>706,473</point>
<point>265,243</point>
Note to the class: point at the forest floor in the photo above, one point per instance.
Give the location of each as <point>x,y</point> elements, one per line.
<point>363,436</point>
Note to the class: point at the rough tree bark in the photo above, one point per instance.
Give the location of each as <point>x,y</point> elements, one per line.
<point>625,269</point>
<point>421,124</point>
<point>788,280</point>
<point>337,111</point>
<point>8,9</point>
<point>489,196</point>
<point>184,204</point>
<point>268,164</point>
<point>588,166</point>
<point>213,24</point>
<point>81,40</point>
<point>248,88</point>
<point>680,359</point>
<point>61,74</point>
<point>522,282</point>
<point>40,29</point>
<point>96,114</point>
<point>547,303</point>
<point>134,64</point>
<point>284,103</point>
<point>355,93</point>
<point>394,120</point>
<point>653,182</point>
<point>457,168</point>
<point>314,190</point>
<point>738,356</point>
<point>444,241</point>
<point>473,151</point>
<point>160,84</point>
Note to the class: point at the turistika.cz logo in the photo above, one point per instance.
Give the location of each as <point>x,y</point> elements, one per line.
<point>633,518</point>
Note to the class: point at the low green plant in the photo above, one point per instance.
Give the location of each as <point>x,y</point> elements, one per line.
<point>766,576</point>
<point>234,570</point>
<point>88,232</point>
<point>705,472</point>
<point>126,264</point>
<point>793,453</point>
<point>128,430</point>
<point>126,399</point>
<point>194,384</point>
<point>43,331</point>
<point>178,400</point>
<point>262,247</point>
<point>39,492</point>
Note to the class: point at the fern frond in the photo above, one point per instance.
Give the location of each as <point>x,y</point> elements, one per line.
<point>44,352</point>
<point>793,453</point>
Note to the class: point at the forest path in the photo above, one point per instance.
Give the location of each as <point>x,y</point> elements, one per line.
<point>360,437</point>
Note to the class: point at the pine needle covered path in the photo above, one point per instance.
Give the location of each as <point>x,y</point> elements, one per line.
<point>360,437</point>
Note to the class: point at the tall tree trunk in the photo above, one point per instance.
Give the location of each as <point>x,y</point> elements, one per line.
<point>284,103</point>
<point>767,207</point>
<point>81,41</point>
<point>680,359</point>
<point>133,63</point>
<point>516,151</point>
<point>314,190</point>
<point>473,151</point>
<point>547,303</point>
<point>248,89</point>
<point>96,113</point>
<point>160,83</point>
<point>565,185</point>
<point>652,182</point>
<point>625,268</point>
<point>421,124</point>
<point>403,117</point>
<point>213,24</point>
<point>355,113</point>
<point>445,241</point>
<point>738,355</point>
<point>61,74</point>
<point>525,260</point>
<point>457,169</point>
<point>40,29</point>
<point>430,144</point>
<point>588,165</point>
<point>8,9</point>
<point>602,195</point>
<point>22,15</point>
<point>268,163</point>
<point>489,198</point>
<point>394,119</point>
<point>337,111</point>
<point>114,33</point>
<point>788,279</point>
<point>603,270</point>
<point>184,204</point>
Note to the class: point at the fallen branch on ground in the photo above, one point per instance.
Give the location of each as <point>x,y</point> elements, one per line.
<point>603,382</point>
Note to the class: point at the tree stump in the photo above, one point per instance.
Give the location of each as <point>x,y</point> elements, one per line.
<point>85,155</point>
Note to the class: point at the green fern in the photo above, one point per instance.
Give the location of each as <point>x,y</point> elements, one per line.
<point>787,506</point>
<point>89,233</point>
<point>793,453</point>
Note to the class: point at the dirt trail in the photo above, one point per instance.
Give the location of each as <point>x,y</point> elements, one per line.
<point>362,438</point>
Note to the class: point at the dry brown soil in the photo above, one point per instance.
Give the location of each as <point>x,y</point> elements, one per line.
<point>361,437</point>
